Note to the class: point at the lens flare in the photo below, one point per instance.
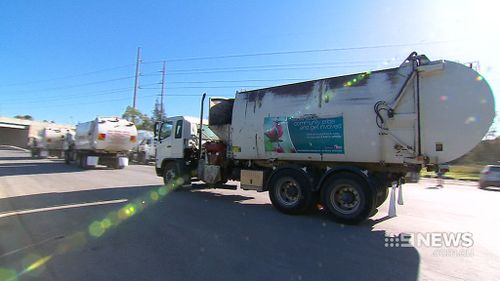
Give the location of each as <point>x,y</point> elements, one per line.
<point>154,195</point>
<point>95,229</point>
<point>179,181</point>
<point>443,98</point>
<point>8,274</point>
<point>479,78</point>
<point>106,223</point>
<point>113,218</point>
<point>33,264</point>
<point>162,191</point>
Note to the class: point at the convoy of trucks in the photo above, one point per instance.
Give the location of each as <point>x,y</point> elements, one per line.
<point>338,142</point>
<point>341,141</point>
<point>103,141</point>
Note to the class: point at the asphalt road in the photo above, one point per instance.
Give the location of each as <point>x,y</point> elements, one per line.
<point>59,222</point>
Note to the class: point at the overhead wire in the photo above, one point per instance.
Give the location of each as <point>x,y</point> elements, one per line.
<point>300,51</point>
<point>67,76</point>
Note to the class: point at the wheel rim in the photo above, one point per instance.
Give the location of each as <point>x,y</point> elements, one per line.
<point>288,191</point>
<point>345,199</point>
<point>169,175</point>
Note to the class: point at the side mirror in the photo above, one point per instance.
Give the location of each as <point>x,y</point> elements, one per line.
<point>155,129</point>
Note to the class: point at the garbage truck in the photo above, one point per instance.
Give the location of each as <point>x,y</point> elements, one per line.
<point>103,141</point>
<point>340,142</point>
<point>49,142</point>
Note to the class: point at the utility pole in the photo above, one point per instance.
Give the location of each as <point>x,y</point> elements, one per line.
<point>162,89</point>
<point>137,74</point>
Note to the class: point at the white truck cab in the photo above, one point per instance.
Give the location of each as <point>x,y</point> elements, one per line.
<point>177,145</point>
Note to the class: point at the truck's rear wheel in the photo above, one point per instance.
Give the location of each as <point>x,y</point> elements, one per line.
<point>142,158</point>
<point>83,161</point>
<point>348,198</point>
<point>66,157</point>
<point>290,192</point>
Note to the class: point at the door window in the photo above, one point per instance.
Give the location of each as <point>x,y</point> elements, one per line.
<point>166,130</point>
<point>178,129</point>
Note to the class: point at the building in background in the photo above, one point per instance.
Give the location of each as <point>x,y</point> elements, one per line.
<point>17,132</point>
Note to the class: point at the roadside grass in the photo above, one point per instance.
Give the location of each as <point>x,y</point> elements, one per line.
<point>459,172</point>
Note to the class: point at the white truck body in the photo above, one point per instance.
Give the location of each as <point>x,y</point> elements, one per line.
<point>110,134</point>
<point>456,109</point>
<point>342,139</point>
<point>105,140</point>
<point>50,142</point>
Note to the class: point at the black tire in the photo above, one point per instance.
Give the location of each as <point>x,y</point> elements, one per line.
<point>291,192</point>
<point>66,158</point>
<point>170,175</point>
<point>83,161</point>
<point>142,158</point>
<point>357,202</point>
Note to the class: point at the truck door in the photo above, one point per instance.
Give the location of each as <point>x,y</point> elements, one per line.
<point>170,141</point>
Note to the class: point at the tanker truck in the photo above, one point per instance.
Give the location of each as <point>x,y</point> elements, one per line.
<point>50,142</point>
<point>103,141</point>
<point>144,151</point>
<point>341,142</point>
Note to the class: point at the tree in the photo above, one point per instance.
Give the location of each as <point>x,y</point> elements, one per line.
<point>158,112</point>
<point>141,121</point>
<point>24,117</point>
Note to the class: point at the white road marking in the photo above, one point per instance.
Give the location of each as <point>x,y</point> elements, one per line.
<point>60,207</point>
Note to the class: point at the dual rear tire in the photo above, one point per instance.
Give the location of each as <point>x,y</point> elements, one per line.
<point>291,192</point>
<point>347,197</point>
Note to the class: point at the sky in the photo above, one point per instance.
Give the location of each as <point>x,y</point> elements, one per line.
<point>70,61</point>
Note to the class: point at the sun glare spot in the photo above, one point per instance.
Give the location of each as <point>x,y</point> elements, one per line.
<point>96,229</point>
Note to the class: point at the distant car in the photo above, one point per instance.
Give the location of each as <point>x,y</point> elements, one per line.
<point>490,176</point>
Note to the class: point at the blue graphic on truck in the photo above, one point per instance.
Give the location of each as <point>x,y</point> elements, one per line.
<point>304,135</point>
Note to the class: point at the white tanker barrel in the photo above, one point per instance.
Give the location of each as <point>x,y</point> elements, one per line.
<point>457,108</point>
<point>110,134</point>
<point>53,138</point>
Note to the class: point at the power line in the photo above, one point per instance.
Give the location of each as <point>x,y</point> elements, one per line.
<point>66,77</point>
<point>123,99</point>
<point>359,63</point>
<point>80,85</point>
<point>77,95</point>
<point>238,81</point>
<point>269,67</point>
<point>301,51</point>
<point>259,69</point>
<point>63,96</point>
<point>120,90</point>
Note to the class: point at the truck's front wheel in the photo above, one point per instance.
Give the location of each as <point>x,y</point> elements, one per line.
<point>348,198</point>
<point>290,192</point>
<point>170,175</point>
